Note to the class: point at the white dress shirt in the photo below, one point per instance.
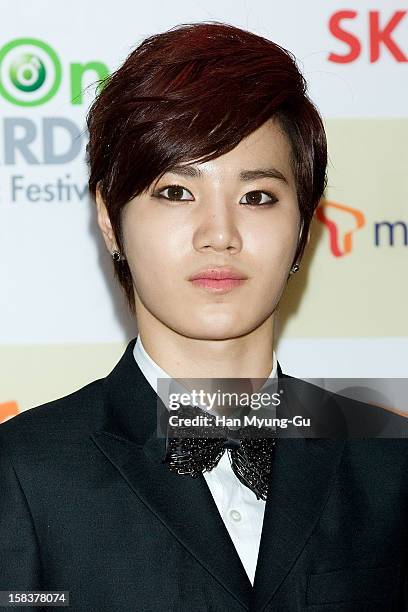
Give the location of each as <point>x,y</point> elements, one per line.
<point>240,510</point>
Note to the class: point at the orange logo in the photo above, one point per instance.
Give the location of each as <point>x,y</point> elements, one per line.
<point>8,410</point>
<point>339,244</point>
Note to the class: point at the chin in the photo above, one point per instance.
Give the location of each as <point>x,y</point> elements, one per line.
<point>208,330</point>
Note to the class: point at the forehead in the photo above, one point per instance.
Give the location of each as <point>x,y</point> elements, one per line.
<point>268,140</point>
<point>266,147</point>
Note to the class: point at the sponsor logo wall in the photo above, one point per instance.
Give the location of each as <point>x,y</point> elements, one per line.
<point>63,320</point>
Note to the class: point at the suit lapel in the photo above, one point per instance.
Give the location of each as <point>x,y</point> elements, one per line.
<point>303,472</point>
<point>302,475</point>
<point>183,504</point>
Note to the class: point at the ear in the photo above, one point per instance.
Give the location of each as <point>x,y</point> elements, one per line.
<point>308,236</point>
<point>104,222</point>
<point>308,233</point>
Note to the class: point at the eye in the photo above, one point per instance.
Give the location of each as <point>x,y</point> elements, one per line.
<point>255,198</point>
<point>174,193</point>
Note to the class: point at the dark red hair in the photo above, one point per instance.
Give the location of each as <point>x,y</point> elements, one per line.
<point>194,92</point>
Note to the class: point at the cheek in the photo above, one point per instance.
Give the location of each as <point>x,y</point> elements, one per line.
<point>274,244</point>
<point>151,249</point>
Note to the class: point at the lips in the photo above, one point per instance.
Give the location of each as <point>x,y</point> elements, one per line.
<point>219,274</point>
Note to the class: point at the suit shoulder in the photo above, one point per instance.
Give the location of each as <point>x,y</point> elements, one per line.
<point>67,417</point>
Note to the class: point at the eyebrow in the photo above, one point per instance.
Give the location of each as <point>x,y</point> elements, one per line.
<point>244,175</point>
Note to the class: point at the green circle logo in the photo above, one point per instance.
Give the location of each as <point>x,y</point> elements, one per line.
<point>30,72</point>
<point>27,72</point>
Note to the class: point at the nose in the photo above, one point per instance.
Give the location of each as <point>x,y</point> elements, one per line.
<point>216,227</point>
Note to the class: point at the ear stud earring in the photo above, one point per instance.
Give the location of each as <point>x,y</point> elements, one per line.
<point>117,256</point>
<point>294,269</point>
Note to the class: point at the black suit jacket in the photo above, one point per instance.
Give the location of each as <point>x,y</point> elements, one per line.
<point>87,506</point>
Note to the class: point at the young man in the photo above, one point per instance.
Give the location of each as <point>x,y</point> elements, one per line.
<point>207,161</point>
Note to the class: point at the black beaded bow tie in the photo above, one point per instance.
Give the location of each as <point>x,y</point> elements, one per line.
<point>250,453</point>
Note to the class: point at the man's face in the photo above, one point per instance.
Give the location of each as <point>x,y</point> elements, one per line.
<point>217,219</point>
